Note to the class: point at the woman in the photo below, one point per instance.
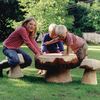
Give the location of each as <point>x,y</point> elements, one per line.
<point>22,35</point>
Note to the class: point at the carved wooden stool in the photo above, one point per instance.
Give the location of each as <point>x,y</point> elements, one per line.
<point>15,72</point>
<point>57,66</point>
<point>90,66</point>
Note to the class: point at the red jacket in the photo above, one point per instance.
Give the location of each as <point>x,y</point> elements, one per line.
<point>19,37</point>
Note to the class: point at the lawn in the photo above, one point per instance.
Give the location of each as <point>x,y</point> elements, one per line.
<point>34,87</point>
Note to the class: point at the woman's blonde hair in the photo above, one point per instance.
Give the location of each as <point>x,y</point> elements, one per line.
<point>24,23</point>
<point>52,28</point>
<point>60,29</point>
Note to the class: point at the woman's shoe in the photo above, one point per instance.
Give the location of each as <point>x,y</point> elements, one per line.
<point>4,64</point>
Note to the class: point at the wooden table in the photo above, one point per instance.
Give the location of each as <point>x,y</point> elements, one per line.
<point>57,66</point>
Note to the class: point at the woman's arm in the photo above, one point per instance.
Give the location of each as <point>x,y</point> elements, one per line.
<point>27,41</point>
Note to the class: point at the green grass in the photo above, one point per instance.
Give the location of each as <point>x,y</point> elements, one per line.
<point>34,87</point>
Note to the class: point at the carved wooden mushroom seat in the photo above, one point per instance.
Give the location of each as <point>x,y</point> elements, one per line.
<point>15,72</point>
<point>57,66</point>
<point>90,66</point>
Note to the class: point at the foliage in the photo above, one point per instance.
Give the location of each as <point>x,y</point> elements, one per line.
<point>86,15</point>
<point>9,12</point>
<point>80,12</point>
<point>77,15</point>
<point>47,12</point>
<point>94,15</point>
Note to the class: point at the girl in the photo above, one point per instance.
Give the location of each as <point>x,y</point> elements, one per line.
<point>21,35</point>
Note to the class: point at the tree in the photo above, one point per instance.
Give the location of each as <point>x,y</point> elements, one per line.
<point>9,11</point>
<point>47,12</point>
<point>87,16</point>
<point>94,15</point>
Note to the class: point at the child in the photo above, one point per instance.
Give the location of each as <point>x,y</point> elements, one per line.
<point>52,48</point>
<point>77,44</point>
<point>11,46</point>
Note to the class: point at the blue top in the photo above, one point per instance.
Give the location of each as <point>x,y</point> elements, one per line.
<point>58,46</point>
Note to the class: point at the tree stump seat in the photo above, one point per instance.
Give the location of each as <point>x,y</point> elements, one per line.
<point>57,66</point>
<point>90,66</point>
<point>15,72</point>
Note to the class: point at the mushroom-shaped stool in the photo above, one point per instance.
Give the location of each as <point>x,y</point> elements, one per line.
<point>57,65</point>
<point>90,66</point>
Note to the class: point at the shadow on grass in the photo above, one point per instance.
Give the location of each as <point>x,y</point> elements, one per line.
<point>33,79</point>
<point>76,82</point>
<point>41,80</point>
